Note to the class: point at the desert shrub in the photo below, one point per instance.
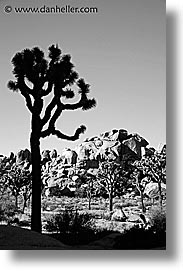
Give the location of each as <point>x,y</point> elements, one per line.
<point>81,192</point>
<point>1,213</point>
<point>107,216</point>
<point>8,211</point>
<point>95,214</point>
<point>141,238</point>
<point>55,191</point>
<point>68,221</point>
<point>44,204</point>
<point>23,223</point>
<point>49,207</point>
<point>129,203</point>
<point>146,237</point>
<point>147,203</point>
<point>158,220</point>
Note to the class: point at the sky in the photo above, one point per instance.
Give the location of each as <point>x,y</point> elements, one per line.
<point>120,51</point>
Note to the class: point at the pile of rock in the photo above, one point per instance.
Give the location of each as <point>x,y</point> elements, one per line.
<point>116,144</point>
<point>59,169</point>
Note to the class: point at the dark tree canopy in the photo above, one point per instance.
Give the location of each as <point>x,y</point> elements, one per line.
<point>57,74</point>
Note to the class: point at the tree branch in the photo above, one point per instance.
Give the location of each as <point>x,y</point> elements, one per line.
<point>48,111</point>
<point>55,116</point>
<point>28,101</point>
<point>24,90</point>
<point>23,87</point>
<point>73,106</point>
<point>52,131</point>
<point>102,185</point>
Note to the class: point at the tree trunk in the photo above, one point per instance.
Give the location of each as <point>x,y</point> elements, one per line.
<point>24,203</point>
<point>89,203</point>
<point>142,202</point>
<point>16,201</point>
<point>160,196</point>
<point>110,202</point>
<point>36,175</point>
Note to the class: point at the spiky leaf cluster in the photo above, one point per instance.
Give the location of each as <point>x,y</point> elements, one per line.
<point>57,74</point>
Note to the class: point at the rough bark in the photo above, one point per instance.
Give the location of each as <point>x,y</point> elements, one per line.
<point>89,203</point>
<point>142,202</point>
<point>24,205</point>
<point>110,202</point>
<point>160,196</point>
<point>16,201</point>
<point>36,174</point>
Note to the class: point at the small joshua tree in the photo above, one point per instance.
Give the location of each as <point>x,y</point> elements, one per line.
<point>55,76</point>
<point>138,179</point>
<point>18,181</point>
<point>154,167</point>
<point>112,177</point>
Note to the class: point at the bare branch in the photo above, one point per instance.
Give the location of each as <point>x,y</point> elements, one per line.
<point>28,101</point>
<point>52,131</point>
<point>73,106</point>
<point>48,111</point>
<point>26,92</point>
<point>55,116</point>
<point>101,184</point>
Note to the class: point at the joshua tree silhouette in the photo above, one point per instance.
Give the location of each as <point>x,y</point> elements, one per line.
<point>54,76</point>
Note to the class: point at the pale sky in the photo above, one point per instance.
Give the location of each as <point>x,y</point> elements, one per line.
<point>120,52</point>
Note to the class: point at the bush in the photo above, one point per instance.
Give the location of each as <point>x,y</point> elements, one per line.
<point>129,203</point>
<point>68,221</point>
<point>158,220</point>
<point>81,193</point>
<point>8,212</point>
<point>141,238</point>
<point>55,191</point>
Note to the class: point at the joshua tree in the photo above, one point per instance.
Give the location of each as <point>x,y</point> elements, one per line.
<point>113,178</point>
<point>54,76</point>
<point>140,184</point>
<point>154,167</point>
<point>18,180</point>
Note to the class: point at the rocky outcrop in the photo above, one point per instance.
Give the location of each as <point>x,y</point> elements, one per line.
<point>45,156</point>
<point>69,156</point>
<point>152,190</point>
<point>53,154</point>
<point>116,144</point>
<point>23,156</point>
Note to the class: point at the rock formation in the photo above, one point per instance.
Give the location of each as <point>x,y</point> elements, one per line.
<point>58,169</point>
<point>116,144</point>
<point>23,156</point>
<point>152,190</point>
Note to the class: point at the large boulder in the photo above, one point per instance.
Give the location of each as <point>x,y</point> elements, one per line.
<point>115,144</point>
<point>109,148</point>
<point>135,143</point>
<point>23,156</point>
<point>152,189</point>
<point>87,150</point>
<point>53,154</point>
<point>69,156</point>
<point>45,156</point>
<point>118,214</point>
